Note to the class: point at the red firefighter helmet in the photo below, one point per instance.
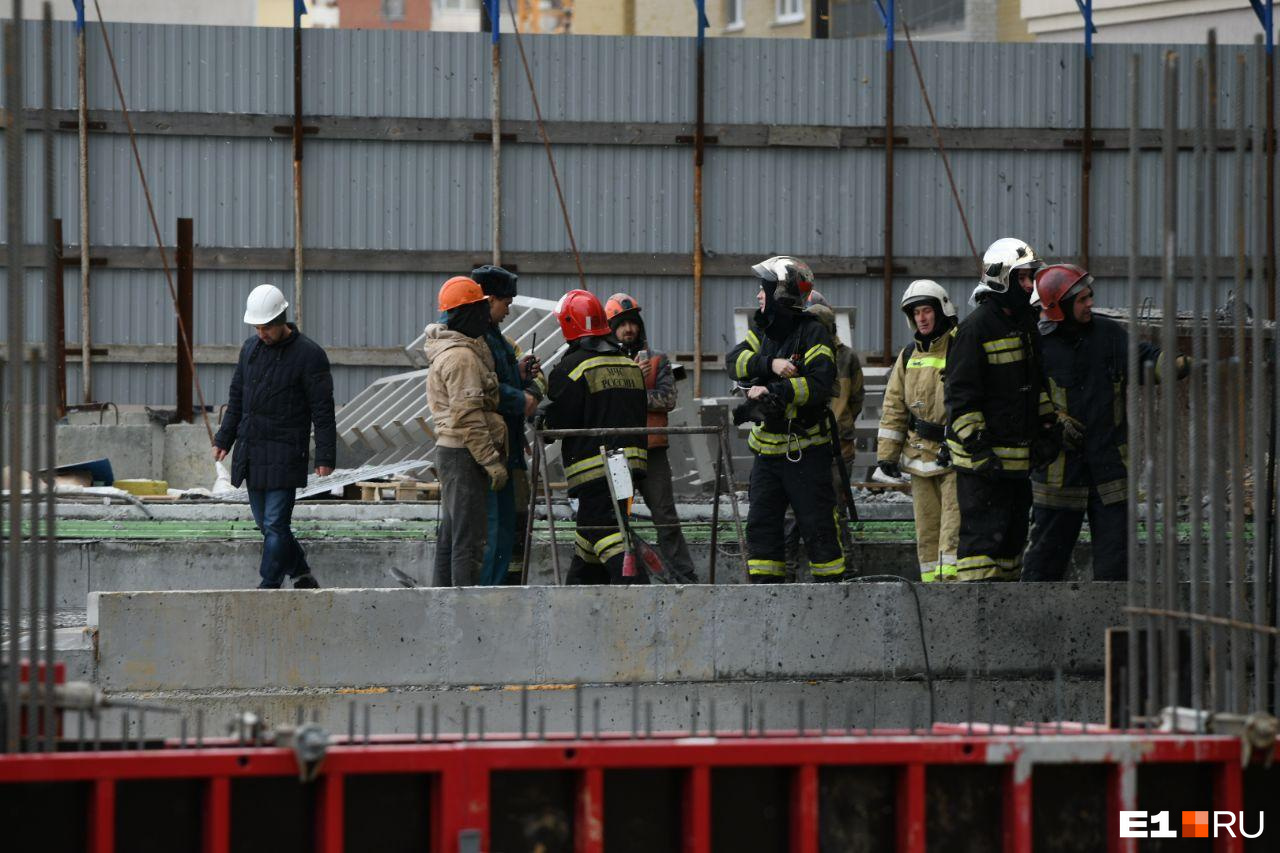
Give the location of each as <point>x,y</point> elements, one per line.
<point>1056,284</point>
<point>581,315</point>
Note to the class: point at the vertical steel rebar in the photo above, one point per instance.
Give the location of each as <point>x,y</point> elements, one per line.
<point>185,261</point>
<point>1133,388</point>
<point>495,131</point>
<point>82,123</point>
<point>1236,404</point>
<point>1169,388</point>
<point>14,204</point>
<point>1149,446</point>
<point>55,386</point>
<point>886,292</point>
<point>1086,159</point>
<point>33,544</point>
<point>1195,485</point>
<point>297,165</point>
<point>1214,434</point>
<point>1259,405</point>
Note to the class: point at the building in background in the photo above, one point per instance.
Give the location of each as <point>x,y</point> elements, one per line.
<point>1144,21</point>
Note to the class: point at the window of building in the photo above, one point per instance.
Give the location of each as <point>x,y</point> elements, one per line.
<point>392,11</point>
<point>733,15</point>
<point>459,5</point>
<point>788,11</point>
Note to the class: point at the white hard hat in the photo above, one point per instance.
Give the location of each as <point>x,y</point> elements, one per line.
<point>925,290</point>
<point>1002,258</point>
<point>264,304</point>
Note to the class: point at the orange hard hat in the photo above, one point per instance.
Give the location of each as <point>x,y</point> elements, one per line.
<point>459,290</point>
<point>1057,284</point>
<point>619,307</point>
<point>581,315</point>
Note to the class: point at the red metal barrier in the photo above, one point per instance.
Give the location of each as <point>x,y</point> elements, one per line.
<point>461,775</point>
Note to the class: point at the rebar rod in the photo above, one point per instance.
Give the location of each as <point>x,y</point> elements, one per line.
<point>1169,341</point>
<point>1259,406</point>
<point>53,378</point>
<point>1195,484</point>
<point>1133,389</point>
<point>1214,436</point>
<point>82,124</point>
<point>1149,469</point>
<point>31,543</point>
<point>15,209</point>
<point>1262,630</point>
<point>1236,401</point>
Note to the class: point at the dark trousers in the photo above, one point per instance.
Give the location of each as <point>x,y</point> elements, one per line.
<point>806,487</point>
<point>501,537</point>
<point>460,538</point>
<point>599,549</point>
<point>993,526</point>
<point>281,554</point>
<point>792,533</point>
<point>660,498</point>
<point>1053,538</point>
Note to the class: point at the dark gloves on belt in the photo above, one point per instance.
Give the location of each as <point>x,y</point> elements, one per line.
<point>1072,432</point>
<point>889,468</point>
<point>982,459</point>
<point>1046,446</point>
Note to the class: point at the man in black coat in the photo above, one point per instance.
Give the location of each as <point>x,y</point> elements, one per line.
<point>281,387</point>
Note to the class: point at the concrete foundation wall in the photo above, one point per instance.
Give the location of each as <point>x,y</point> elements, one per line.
<point>212,641</point>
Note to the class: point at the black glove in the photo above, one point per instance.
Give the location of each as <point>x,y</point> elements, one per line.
<point>1046,446</point>
<point>889,468</point>
<point>944,455</point>
<point>982,459</point>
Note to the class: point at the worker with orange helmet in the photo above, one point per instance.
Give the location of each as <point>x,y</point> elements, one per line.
<point>1087,371</point>
<point>623,314</point>
<point>595,386</point>
<point>471,437</point>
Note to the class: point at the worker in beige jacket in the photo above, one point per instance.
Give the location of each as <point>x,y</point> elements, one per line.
<point>912,424</point>
<point>471,437</point>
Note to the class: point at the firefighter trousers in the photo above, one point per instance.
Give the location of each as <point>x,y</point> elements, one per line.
<point>806,487</point>
<point>1053,539</point>
<point>937,515</point>
<point>599,546</point>
<point>993,526</point>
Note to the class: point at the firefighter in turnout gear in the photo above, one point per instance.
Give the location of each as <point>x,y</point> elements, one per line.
<point>623,314</point>
<point>846,404</point>
<point>788,365</point>
<point>1000,421</point>
<point>595,386</point>
<point>913,426</point>
<point>1085,363</point>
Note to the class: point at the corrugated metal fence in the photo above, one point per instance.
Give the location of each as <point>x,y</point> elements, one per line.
<point>388,194</point>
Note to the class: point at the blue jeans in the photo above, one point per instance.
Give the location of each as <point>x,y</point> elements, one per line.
<point>502,535</point>
<point>281,553</point>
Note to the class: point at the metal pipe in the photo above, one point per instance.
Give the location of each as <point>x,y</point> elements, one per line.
<point>1086,155</point>
<point>15,210</point>
<point>82,117</point>
<point>1168,396</point>
<point>1236,403</point>
<point>699,146</point>
<point>1195,486</point>
<point>298,10</point>
<point>33,547</point>
<point>55,380</point>
<point>1149,469</point>
<point>1214,434</point>
<point>185,258</point>
<point>887,288</point>
<point>495,117</point>
<point>1260,409</point>
<point>1133,414</point>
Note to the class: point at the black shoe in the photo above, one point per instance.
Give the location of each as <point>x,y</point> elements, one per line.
<point>306,581</point>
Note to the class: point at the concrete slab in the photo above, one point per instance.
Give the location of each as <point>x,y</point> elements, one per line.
<point>667,707</point>
<point>249,640</point>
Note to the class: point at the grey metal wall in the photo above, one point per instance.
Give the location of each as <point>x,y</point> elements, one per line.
<point>638,199</point>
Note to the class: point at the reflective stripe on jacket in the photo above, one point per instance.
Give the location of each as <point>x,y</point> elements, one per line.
<point>915,392</point>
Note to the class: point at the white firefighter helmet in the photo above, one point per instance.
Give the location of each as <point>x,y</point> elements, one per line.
<point>265,303</point>
<point>793,276</point>
<point>925,290</point>
<point>1002,258</point>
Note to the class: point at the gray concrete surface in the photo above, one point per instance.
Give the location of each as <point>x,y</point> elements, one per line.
<point>188,461</point>
<point>668,707</point>
<point>393,638</point>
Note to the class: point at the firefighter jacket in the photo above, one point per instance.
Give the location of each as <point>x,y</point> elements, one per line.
<point>595,386</point>
<point>1086,368</point>
<point>914,418</point>
<point>802,420</point>
<point>462,393</point>
<point>995,391</point>
<point>660,387</point>
<point>848,396</point>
